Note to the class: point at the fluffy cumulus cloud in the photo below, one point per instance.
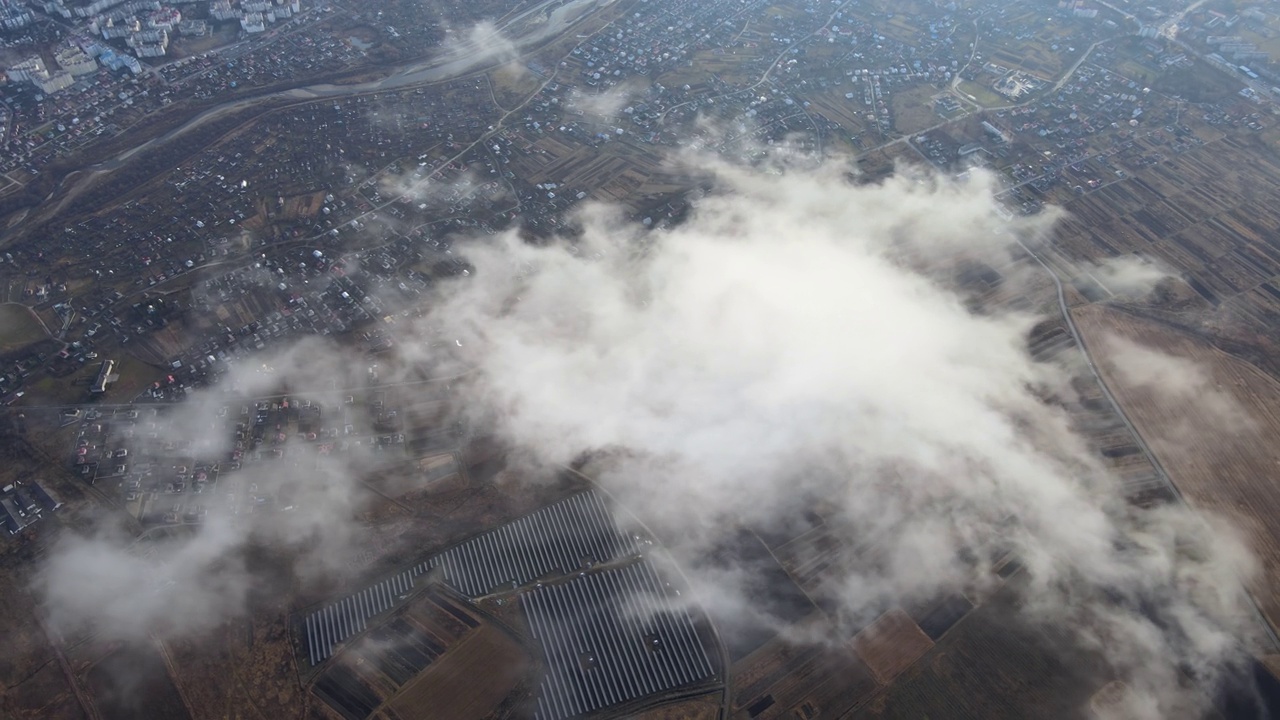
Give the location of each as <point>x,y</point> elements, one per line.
<point>1128,275</point>
<point>1180,381</point>
<point>797,344</point>
<point>483,42</point>
<point>794,345</point>
<point>604,106</point>
<point>190,582</point>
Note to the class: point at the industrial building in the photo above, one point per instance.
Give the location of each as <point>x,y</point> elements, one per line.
<point>105,377</point>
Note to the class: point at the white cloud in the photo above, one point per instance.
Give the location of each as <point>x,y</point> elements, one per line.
<point>482,42</point>
<point>1128,275</point>
<point>790,343</point>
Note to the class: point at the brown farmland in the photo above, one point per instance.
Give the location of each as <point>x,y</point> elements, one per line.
<point>1222,463</point>
<point>890,644</point>
<point>993,665</point>
<point>784,680</point>
<point>706,707</point>
<point>472,679</point>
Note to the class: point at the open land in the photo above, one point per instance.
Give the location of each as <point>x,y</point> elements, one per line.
<point>1217,453</point>
<point>488,664</point>
<point>989,667</point>
<point>19,327</point>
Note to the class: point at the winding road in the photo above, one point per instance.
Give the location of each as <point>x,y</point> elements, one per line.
<point>1133,430</point>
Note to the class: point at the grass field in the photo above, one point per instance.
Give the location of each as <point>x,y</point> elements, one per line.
<point>67,390</point>
<point>244,668</point>
<point>739,67</point>
<point>135,376</point>
<point>1200,83</point>
<point>913,109</point>
<point>984,96</point>
<point>1219,447</point>
<point>44,695</point>
<point>133,682</point>
<point>188,46</point>
<point>880,164</point>
<point>1265,44</point>
<point>18,327</point>
<point>513,84</point>
<point>24,692</point>
<point>849,113</point>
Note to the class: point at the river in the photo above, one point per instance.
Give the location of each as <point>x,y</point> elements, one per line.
<point>457,63</point>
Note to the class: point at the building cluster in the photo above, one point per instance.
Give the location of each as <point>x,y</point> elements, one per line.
<point>820,73</point>
<point>1239,41</point>
<point>35,71</point>
<point>160,480</point>
<point>130,12</point>
<point>299,55</point>
<point>148,26</point>
<point>163,480</point>
<point>14,15</point>
<point>24,503</point>
<point>254,15</point>
<point>128,30</point>
<point>47,127</point>
<point>79,60</point>
<point>145,26</point>
<point>852,56</point>
<point>71,106</point>
<point>1078,8</point>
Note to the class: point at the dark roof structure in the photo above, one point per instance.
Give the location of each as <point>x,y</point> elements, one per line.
<point>45,497</point>
<point>10,523</point>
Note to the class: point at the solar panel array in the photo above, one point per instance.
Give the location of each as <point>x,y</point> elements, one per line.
<point>564,537</point>
<point>611,637</point>
<point>338,621</point>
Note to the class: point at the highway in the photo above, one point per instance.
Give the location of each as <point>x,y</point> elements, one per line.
<point>1133,430</point>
